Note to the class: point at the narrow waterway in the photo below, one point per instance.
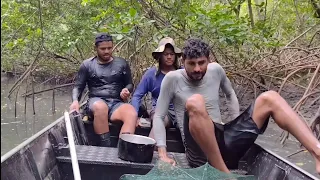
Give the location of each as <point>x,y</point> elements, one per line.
<point>15,130</point>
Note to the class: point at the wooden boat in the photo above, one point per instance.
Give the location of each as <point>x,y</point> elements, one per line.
<point>45,156</point>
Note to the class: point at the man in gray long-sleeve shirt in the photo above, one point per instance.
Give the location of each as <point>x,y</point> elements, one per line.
<point>194,92</point>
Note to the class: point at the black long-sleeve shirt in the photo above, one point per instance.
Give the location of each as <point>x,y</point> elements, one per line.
<point>103,80</point>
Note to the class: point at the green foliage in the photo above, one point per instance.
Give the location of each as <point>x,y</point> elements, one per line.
<point>66,29</point>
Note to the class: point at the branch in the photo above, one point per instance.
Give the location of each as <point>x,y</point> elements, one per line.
<point>261,85</point>
<point>317,33</point>
<point>41,23</point>
<point>48,89</point>
<point>296,108</point>
<point>291,74</point>
<point>279,66</point>
<point>301,35</point>
<point>25,74</point>
<point>312,80</point>
<point>140,48</point>
<point>80,52</point>
<point>122,41</point>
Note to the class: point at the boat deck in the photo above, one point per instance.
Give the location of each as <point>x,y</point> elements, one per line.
<point>103,163</point>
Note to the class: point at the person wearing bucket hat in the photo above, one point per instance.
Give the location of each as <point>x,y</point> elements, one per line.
<point>166,55</point>
<point>110,84</point>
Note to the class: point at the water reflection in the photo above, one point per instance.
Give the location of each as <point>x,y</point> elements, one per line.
<point>15,130</point>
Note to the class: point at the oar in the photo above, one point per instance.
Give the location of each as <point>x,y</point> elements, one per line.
<point>72,148</point>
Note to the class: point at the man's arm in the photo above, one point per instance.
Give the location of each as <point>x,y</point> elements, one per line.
<point>80,83</point>
<point>164,99</point>
<point>231,96</point>
<point>165,96</point>
<point>140,91</point>
<point>128,78</point>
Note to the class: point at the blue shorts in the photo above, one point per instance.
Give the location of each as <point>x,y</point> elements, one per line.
<point>112,104</point>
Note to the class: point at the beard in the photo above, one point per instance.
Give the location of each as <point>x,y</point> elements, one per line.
<point>105,58</point>
<point>196,76</point>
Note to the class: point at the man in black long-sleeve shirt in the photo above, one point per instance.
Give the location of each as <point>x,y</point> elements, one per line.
<point>110,84</point>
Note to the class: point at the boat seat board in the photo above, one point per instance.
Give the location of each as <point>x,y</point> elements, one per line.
<point>109,156</point>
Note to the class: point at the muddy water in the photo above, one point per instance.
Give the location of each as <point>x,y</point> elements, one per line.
<point>15,130</point>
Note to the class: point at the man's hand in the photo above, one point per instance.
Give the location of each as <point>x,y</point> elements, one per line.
<point>163,156</point>
<point>75,106</point>
<point>168,160</point>
<point>125,94</point>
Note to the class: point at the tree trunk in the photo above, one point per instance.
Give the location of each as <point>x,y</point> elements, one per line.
<point>316,8</point>
<point>259,10</point>
<point>250,13</point>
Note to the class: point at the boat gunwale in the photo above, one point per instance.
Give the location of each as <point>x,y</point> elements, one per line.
<point>30,140</point>
<point>288,162</point>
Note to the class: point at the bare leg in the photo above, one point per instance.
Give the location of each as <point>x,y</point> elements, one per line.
<point>100,113</point>
<point>128,115</point>
<point>271,103</point>
<point>202,130</point>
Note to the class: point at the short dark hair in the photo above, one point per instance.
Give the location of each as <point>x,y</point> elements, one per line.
<point>195,48</point>
<point>101,37</point>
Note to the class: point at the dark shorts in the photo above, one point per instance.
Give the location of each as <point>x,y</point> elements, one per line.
<point>171,117</point>
<point>112,104</point>
<point>234,139</point>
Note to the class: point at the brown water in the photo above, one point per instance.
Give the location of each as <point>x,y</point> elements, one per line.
<point>15,130</point>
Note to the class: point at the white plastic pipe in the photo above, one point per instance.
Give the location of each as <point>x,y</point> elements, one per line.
<point>72,148</point>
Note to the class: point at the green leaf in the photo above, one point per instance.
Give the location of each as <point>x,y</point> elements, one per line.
<point>125,29</point>
<point>132,12</point>
<point>10,45</point>
<point>38,32</point>
<point>84,2</point>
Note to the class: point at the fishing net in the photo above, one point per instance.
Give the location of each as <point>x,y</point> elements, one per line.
<point>164,171</point>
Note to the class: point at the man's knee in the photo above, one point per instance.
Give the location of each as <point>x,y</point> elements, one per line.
<point>99,107</point>
<point>195,103</point>
<point>129,111</point>
<point>269,97</point>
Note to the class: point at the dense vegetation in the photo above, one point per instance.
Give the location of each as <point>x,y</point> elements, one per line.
<point>59,34</point>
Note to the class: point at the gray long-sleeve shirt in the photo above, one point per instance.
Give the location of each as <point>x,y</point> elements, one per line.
<point>176,86</point>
